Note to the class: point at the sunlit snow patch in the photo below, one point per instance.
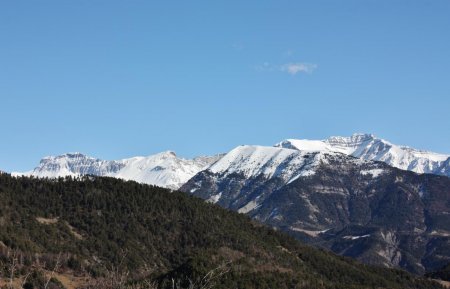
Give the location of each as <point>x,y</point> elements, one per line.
<point>249,207</point>
<point>355,237</point>
<point>374,172</point>
<point>214,198</point>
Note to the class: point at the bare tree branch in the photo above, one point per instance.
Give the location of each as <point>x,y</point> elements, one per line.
<point>53,271</point>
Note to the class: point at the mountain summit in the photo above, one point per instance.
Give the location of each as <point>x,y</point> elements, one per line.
<point>369,147</point>
<point>163,169</point>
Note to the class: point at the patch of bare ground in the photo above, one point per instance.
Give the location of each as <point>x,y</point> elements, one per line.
<point>230,254</point>
<point>271,268</point>
<point>47,221</point>
<point>52,221</point>
<point>74,232</point>
<point>72,282</point>
<point>6,283</point>
<point>67,279</point>
<point>446,284</point>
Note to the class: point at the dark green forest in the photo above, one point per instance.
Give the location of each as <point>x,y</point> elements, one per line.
<point>95,225</point>
<point>443,273</point>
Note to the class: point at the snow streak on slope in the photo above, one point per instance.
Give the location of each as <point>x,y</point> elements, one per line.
<point>369,147</point>
<point>164,169</point>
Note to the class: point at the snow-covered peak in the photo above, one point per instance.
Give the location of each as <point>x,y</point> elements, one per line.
<point>206,161</point>
<point>167,154</point>
<point>71,155</point>
<point>164,169</point>
<point>369,147</point>
<point>304,145</point>
<point>253,161</point>
<point>356,138</point>
<point>72,164</point>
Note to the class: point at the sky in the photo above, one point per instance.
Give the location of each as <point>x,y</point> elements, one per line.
<point>115,79</point>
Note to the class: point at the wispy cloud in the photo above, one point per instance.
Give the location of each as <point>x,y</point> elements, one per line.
<point>291,68</point>
<point>299,67</point>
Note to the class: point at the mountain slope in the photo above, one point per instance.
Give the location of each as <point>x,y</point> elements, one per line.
<point>363,209</point>
<point>270,167</point>
<point>164,169</point>
<point>95,223</point>
<point>369,147</point>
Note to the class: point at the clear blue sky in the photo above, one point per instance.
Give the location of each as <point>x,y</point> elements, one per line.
<point>115,79</point>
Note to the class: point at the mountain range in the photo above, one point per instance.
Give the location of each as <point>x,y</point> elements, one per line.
<point>168,170</point>
<point>359,196</point>
<point>164,169</point>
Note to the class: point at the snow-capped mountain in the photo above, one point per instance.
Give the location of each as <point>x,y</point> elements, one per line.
<point>369,147</point>
<point>264,164</point>
<point>164,169</point>
<point>269,167</point>
<point>268,161</point>
<point>356,207</point>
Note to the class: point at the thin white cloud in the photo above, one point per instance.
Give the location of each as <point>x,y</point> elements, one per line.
<point>294,68</point>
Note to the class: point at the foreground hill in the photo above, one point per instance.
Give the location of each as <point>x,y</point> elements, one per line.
<point>98,225</point>
<point>358,208</point>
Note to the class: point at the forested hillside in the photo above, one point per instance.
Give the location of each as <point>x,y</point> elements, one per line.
<point>95,226</point>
